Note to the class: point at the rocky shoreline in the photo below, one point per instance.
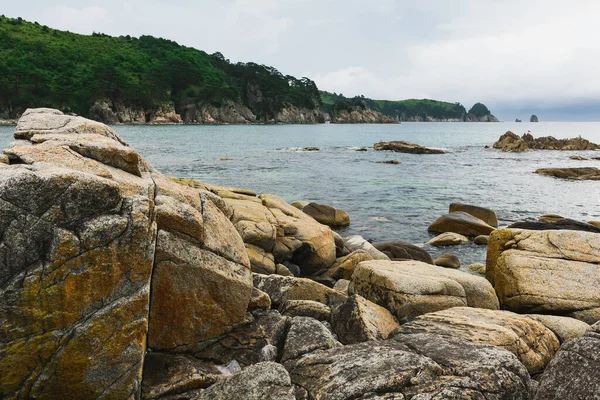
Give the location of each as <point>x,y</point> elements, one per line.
<point>119,282</point>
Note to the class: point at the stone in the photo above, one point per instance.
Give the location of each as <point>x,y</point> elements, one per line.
<point>393,162</point>
<point>311,148</point>
<point>262,381</point>
<point>281,269</point>
<point>533,118</point>
<point>595,223</point>
<point>546,272</point>
<point>359,320</point>
<point>462,223</point>
<point>357,242</point>
<point>415,366</point>
<point>511,142</point>
<point>580,173</point>
<point>340,246</point>
<point>306,308</point>
<point>411,288</point>
<point>300,204</point>
<point>532,343</point>
<point>564,328</point>
<point>403,251</point>
<point>344,266</point>
<point>447,260</point>
<point>261,261</point>
<point>557,224</point>
<point>283,288</point>
<point>579,158</point>
<point>246,343</point>
<point>342,285</point>
<point>406,147</point>
<point>550,218</point>
<point>259,300</point>
<point>448,239</point>
<point>481,240</point>
<point>327,215</point>
<point>167,374</point>
<point>477,268</point>
<point>305,336</point>
<point>89,234</point>
<point>573,373</point>
<point>485,214</point>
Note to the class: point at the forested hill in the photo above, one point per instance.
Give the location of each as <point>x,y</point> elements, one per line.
<point>409,110</point>
<point>136,77</point>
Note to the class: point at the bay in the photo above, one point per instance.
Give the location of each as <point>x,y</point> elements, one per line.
<point>385,202</point>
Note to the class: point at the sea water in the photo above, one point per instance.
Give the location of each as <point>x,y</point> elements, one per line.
<point>385,202</point>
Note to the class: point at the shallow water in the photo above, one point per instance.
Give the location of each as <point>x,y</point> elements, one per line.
<point>385,202</point>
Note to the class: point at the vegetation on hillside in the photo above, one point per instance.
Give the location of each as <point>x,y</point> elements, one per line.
<point>404,110</point>
<point>40,66</point>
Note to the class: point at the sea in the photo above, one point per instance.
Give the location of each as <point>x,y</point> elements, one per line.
<point>385,202</point>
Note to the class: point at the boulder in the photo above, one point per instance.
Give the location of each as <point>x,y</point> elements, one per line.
<point>579,174</point>
<point>283,288</point>
<point>415,366</point>
<point>306,308</point>
<point>447,260</point>
<point>532,343</point>
<point>485,214</point>
<point>283,232</point>
<point>263,381</point>
<point>100,258</point>
<point>558,223</point>
<point>510,142</point>
<point>259,300</point>
<point>448,239</point>
<point>547,272</point>
<point>564,328</point>
<point>550,218</point>
<point>477,268</point>
<point>481,240</point>
<point>399,251</point>
<point>359,320</point>
<point>573,373</point>
<point>342,285</point>
<point>406,147</point>
<point>393,162</point>
<point>579,158</point>
<point>357,242</point>
<point>300,204</point>
<point>462,223</point>
<point>412,288</point>
<point>344,266</point>
<point>167,374</point>
<point>261,261</point>
<point>595,223</point>
<point>327,215</point>
<point>305,336</point>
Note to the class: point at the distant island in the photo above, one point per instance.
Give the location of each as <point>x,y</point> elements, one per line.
<point>152,80</point>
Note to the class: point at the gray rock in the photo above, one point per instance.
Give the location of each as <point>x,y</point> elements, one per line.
<point>305,336</point>
<point>306,308</point>
<point>460,222</point>
<point>447,260</point>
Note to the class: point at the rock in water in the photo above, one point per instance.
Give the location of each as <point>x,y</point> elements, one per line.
<point>411,288</point>
<point>547,272</point>
<point>550,224</point>
<point>462,223</point>
<point>579,174</point>
<point>403,251</point>
<point>85,223</point>
<point>485,214</point>
<point>406,147</point>
<point>447,260</point>
<point>448,239</point>
<point>533,118</point>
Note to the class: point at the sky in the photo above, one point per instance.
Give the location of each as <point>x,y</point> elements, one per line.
<point>517,57</point>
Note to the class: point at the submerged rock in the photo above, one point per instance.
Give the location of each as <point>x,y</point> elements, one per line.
<point>582,173</point>
<point>406,147</point>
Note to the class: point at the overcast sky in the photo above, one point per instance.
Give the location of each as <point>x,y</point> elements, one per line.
<point>518,57</point>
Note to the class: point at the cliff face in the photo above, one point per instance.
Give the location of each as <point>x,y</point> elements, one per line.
<point>465,118</point>
<point>115,113</point>
<point>359,115</point>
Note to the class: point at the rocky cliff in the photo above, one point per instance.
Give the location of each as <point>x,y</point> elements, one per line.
<point>359,115</point>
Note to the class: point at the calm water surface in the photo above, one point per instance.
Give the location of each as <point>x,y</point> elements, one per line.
<point>385,202</point>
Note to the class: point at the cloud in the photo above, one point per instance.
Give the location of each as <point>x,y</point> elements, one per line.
<point>76,19</point>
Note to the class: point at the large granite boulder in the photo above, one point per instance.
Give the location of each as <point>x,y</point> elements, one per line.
<point>573,373</point>
<point>411,288</point>
<point>327,215</point>
<point>529,340</point>
<point>412,366</point>
<point>101,257</point>
<point>400,146</point>
<point>462,223</point>
<point>359,320</point>
<point>546,272</point>
<point>485,214</point>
